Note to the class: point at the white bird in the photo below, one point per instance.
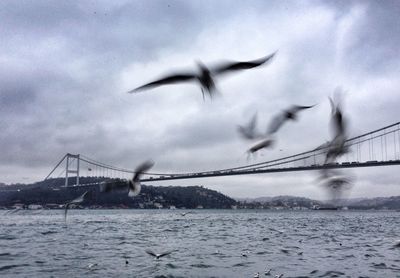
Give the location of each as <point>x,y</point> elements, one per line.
<point>158,255</point>
<point>288,114</point>
<point>268,272</point>
<point>249,131</point>
<point>265,143</point>
<point>244,254</point>
<point>133,185</point>
<point>91,266</point>
<point>205,76</point>
<point>77,200</point>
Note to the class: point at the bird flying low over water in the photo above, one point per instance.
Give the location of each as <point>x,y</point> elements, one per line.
<point>133,185</point>
<point>288,114</point>
<point>204,76</point>
<point>77,200</point>
<point>157,256</point>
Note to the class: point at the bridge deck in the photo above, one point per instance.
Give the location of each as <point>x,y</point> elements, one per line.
<point>275,170</point>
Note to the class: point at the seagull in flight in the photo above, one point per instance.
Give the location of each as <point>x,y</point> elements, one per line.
<point>77,200</point>
<point>204,76</point>
<point>266,143</point>
<point>288,114</point>
<point>249,131</point>
<point>156,255</point>
<point>133,185</point>
<point>337,146</point>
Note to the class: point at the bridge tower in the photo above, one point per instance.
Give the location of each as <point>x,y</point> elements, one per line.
<point>68,170</point>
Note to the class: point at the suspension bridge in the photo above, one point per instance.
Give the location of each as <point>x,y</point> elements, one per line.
<point>380,147</point>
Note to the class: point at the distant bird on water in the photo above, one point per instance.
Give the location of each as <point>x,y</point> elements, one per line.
<point>156,255</point>
<point>78,200</point>
<point>288,114</point>
<point>133,185</point>
<point>204,76</point>
<point>267,272</point>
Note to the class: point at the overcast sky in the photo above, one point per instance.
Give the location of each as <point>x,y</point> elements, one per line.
<point>66,67</point>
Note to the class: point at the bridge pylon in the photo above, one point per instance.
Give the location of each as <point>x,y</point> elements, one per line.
<point>70,170</point>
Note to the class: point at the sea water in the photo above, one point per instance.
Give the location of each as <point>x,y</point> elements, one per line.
<point>204,243</point>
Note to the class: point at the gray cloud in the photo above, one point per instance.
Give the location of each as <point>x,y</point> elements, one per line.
<point>68,65</point>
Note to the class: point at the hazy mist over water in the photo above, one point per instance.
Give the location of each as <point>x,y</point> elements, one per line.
<point>205,243</point>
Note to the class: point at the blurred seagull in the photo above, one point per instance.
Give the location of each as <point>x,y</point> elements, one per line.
<point>78,200</point>
<point>335,183</point>
<point>157,256</point>
<point>266,143</point>
<point>249,131</point>
<point>91,266</point>
<point>205,76</point>
<point>133,185</point>
<point>288,114</point>
<point>337,146</point>
<point>337,118</point>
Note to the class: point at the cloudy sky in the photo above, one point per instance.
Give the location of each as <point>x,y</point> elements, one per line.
<point>67,65</point>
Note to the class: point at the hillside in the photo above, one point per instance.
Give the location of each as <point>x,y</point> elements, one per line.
<point>52,192</point>
<point>300,202</point>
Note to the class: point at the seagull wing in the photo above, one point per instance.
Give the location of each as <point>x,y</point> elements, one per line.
<point>134,184</point>
<point>276,123</point>
<point>79,199</point>
<point>172,79</point>
<point>164,254</point>
<point>66,210</point>
<point>253,122</point>
<point>234,66</point>
<point>134,188</point>
<point>266,143</point>
<point>151,253</point>
<point>145,166</point>
<point>297,108</point>
<point>249,131</point>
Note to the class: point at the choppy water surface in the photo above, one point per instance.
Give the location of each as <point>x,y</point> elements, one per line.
<point>207,243</point>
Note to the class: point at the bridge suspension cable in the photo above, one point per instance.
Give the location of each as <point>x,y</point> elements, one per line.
<point>310,160</point>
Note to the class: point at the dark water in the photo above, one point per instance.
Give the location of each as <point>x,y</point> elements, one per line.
<point>206,243</point>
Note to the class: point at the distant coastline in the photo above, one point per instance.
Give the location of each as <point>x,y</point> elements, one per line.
<point>51,194</point>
